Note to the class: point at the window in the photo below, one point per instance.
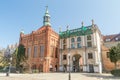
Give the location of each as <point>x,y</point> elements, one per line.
<point>78,39</point>
<point>108,54</point>
<point>72,40</point>
<point>56,53</point>
<point>89,44</point>
<point>64,46</point>
<point>64,41</point>
<point>89,37</point>
<point>107,40</point>
<point>28,52</point>
<point>73,45</point>
<point>64,57</point>
<point>35,51</point>
<point>78,45</point>
<point>52,51</point>
<point>116,39</point>
<point>41,51</point>
<point>90,56</point>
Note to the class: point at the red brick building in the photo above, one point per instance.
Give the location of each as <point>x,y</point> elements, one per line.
<point>42,47</point>
<point>108,42</point>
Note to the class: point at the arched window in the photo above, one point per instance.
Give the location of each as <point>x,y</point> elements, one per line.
<point>89,37</point>
<point>78,39</point>
<point>72,40</point>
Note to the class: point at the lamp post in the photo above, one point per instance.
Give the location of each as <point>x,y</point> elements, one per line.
<point>7,74</point>
<point>69,76</point>
<point>10,61</point>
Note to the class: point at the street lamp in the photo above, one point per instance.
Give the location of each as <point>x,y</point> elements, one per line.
<point>69,76</point>
<point>7,74</point>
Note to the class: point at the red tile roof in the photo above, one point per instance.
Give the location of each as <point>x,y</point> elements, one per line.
<point>112,38</point>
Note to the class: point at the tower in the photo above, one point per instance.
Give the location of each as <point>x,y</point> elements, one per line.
<point>46,18</point>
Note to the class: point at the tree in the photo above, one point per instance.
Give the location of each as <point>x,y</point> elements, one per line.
<point>114,54</point>
<point>19,56</point>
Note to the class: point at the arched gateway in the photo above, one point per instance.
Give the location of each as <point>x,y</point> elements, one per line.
<point>77,63</point>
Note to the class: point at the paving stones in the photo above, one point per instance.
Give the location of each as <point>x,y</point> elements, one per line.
<point>58,76</point>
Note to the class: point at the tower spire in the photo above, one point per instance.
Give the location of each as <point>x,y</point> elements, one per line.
<point>46,18</point>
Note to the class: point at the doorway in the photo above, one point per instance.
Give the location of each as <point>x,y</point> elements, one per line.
<point>76,63</point>
<point>91,68</point>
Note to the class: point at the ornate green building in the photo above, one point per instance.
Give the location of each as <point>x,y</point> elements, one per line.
<point>83,45</point>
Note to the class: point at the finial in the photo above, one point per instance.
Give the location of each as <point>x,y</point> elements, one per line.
<point>67,27</point>
<point>46,9</point>
<point>46,18</point>
<point>92,22</point>
<point>59,29</point>
<point>82,23</point>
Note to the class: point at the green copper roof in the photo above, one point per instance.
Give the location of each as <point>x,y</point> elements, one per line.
<point>46,18</point>
<point>47,12</point>
<point>22,31</point>
<point>76,32</point>
<point>46,23</point>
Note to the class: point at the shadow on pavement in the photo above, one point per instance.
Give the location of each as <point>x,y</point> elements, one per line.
<point>101,76</point>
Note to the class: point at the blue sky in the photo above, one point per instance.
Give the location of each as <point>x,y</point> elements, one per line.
<point>28,15</point>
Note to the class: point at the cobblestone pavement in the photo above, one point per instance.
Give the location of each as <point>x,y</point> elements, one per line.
<point>58,76</point>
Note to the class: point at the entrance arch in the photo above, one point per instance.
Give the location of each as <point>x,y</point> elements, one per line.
<point>76,63</point>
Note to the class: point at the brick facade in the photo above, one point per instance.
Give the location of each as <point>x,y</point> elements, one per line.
<point>42,49</point>
<point>108,42</point>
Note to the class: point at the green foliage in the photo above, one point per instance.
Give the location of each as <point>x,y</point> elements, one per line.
<point>19,56</point>
<point>5,61</point>
<point>115,72</point>
<point>35,71</point>
<point>114,53</point>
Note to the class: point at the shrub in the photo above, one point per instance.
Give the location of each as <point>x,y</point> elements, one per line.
<point>35,71</point>
<point>115,72</point>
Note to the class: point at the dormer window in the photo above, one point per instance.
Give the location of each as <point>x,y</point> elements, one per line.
<point>116,39</point>
<point>107,40</point>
